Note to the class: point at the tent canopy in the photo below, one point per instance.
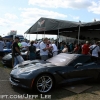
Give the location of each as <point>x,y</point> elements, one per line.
<point>65,28</point>
<point>50,26</point>
<point>91,26</point>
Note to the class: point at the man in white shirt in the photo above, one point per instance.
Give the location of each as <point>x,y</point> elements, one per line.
<point>44,49</point>
<point>36,44</point>
<point>95,50</point>
<point>54,49</point>
<point>24,45</point>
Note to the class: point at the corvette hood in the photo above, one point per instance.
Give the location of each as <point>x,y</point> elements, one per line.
<point>34,63</point>
<point>29,66</point>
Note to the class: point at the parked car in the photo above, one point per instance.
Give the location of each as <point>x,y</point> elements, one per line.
<point>42,76</point>
<point>6,51</point>
<point>7,59</point>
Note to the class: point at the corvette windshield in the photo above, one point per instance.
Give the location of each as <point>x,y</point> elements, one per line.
<point>62,59</point>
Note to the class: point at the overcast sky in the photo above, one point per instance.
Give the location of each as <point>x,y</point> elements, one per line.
<point>21,14</point>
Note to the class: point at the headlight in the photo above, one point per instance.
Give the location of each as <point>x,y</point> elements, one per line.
<point>25,71</point>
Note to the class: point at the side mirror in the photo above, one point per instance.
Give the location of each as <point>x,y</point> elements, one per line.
<point>78,64</point>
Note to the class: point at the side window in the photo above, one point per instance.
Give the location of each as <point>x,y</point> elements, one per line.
<point>81,59</point>
<point>95,59</point>
<point>90,60</point>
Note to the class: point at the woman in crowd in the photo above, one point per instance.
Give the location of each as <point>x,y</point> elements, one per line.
<point>61,46</point>
<point>54,49</point>
<point>65,50</point>
<point>31,51</point>
<point>76,49</point>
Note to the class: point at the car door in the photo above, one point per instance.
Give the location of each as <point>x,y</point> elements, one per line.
<point>79,71</point>
<point>70,71</point>
<point>93,68</point>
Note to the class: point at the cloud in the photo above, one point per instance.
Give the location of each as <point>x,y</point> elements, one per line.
<point>10,16</point>
<point>92,5</point>
<point>95,8</point>
<point>5,25</point>
<point>61,3</point>
<point>5,22</point>
<point>74,17</point>
<point>31,15</point>
<point>27,18</point>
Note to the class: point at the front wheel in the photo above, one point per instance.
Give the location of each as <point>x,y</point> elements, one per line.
<point>43,83</point>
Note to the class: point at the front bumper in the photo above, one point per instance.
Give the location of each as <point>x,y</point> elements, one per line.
<point>24,83</point>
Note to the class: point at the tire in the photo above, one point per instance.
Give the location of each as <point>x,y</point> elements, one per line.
<point>43,83</point>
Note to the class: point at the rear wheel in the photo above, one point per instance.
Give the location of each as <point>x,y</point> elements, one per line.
<point>43,83</point>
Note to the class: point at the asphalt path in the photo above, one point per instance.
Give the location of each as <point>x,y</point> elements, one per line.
<point>9,92</point>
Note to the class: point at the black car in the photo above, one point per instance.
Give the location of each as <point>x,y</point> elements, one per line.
<point>43,75</point>
<point>7,59</point>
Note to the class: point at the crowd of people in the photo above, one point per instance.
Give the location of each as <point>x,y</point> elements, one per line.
<point>47,49</point>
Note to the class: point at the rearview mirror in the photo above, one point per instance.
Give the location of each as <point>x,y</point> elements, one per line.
<point>78,64</point>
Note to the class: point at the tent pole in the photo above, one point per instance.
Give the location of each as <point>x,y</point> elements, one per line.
<point>24,35</point>
<point>44,34</point>
<point>58,38</point>
<point>29,36</point>
<point>37,36</point>
<point>79,33</point>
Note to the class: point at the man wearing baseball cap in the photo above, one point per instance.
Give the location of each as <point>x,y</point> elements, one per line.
<point>15,50</point>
